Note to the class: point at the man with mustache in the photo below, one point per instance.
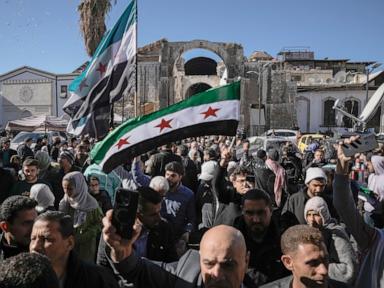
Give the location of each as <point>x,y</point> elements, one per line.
<point>306,256</point>
<point>221,262</point>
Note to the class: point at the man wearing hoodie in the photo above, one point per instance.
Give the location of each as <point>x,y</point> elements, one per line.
<point>293,211</point>
<point>342,264</point>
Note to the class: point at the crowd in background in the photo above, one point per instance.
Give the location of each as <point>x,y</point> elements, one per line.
<point>53,200</point>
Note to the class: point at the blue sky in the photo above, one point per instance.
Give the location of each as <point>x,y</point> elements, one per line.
<point>45,33</point>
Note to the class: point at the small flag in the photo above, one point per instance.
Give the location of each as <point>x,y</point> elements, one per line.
<point>213,112</point>
<point>110,75</point>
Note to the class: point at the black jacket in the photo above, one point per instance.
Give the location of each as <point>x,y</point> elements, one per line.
<point>264,178</point>
<point>11,153</point>
<point>159,161</point>
<point>264,256</point>
<point>7,181</point>
<point>160,245</point>
<point>190,176</point>
<point>81,274</point>
<point>104,200</point>
<point>24,152</point>
<point>7,250</point>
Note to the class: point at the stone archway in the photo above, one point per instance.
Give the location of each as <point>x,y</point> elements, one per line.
<point>230,58</point>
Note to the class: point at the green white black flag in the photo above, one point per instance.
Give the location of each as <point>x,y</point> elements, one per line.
<point>213,112</point>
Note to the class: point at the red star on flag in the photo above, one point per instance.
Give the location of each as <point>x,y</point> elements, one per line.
<point>164,124</point>
<point>102,68</point>
<point>210,112</point>
<point>83,84</point>
<point>122,141</point>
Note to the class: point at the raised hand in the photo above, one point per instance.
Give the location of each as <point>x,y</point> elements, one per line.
<point>120,248</point>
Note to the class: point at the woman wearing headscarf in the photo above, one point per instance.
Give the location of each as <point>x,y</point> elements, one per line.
<point>280,184</point>
<point>376,179</point>
<point>85,212</point>
<point>50,174</point>
<point>44,197</point>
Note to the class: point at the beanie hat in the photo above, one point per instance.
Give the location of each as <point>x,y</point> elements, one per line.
<point>318,205</point>
<point>208,170</point>
<point>315,173</point>
<point>67,155</point>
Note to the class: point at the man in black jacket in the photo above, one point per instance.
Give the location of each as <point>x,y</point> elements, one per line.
<point>222,261</point>
<point>160,242</point>
<point>17,214</point>
<point>6,152</point>
<point>53,236</point>
<point>160,160</point>
<point>24,150</point>
<point>260,228</point>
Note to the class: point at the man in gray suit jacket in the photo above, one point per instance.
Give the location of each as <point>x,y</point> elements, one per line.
<point>221,262</point>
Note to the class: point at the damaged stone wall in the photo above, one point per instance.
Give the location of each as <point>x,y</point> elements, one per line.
<point>280,104</point>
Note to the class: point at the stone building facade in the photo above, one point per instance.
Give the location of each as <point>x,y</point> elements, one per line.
<point>292,90</point>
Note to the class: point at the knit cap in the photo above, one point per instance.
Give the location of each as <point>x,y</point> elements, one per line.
<point>315,173</point>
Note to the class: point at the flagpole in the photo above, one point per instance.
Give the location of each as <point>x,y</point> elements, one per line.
<point>136,58</point>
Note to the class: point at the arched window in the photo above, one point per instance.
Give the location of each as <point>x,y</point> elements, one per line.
<point>329,118</point>
<point>352,107</point>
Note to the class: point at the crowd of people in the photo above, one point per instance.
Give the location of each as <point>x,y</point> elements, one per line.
<point>210,214</point>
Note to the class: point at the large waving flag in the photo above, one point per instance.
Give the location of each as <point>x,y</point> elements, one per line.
<point>213,112</point>
<point>110,74</point>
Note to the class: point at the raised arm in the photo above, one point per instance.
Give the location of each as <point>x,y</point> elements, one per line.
<point>345,206</point>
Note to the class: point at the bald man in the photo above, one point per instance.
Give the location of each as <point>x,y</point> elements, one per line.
<point>223,260</point>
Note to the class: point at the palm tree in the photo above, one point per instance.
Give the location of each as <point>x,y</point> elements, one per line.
<point>92,21</point>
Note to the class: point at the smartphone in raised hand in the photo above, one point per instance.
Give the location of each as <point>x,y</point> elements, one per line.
<point>124,212</point>
<point>364,143</point>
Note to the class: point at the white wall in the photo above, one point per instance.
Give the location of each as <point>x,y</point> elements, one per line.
<point>316,106</point>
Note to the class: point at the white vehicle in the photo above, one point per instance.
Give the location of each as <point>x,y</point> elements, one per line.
<point>265,143</point>
<point>22,136</point>
<point>292,135</point>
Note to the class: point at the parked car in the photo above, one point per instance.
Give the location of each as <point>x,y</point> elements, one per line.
<point>22,136</point>
<point>265,143</point>
<point>292,135</point>
<point>307,139</point>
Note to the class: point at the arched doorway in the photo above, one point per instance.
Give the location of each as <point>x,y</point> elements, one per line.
<point>196,88</point>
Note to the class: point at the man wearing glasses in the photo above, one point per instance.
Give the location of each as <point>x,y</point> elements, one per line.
<point>261,231</point>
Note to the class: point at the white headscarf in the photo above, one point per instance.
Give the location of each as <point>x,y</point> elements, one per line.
<point>81,200</point>
<point>376,180</point>
<point>43,195</point>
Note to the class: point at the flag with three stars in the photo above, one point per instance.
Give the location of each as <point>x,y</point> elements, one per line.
<point>110,74</point>
<point>213,112</point>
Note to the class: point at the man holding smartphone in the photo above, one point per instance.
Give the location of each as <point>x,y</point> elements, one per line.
<point>221,262</point>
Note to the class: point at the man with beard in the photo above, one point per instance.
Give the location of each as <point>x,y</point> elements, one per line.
<point>156,240</point>
<point>221,263</point>
<point>17,214</point>
<point>31,173</point>
<point>178,206</point>
<point>260,228</point>
<point>315,181</point>
<point>306,256</point>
